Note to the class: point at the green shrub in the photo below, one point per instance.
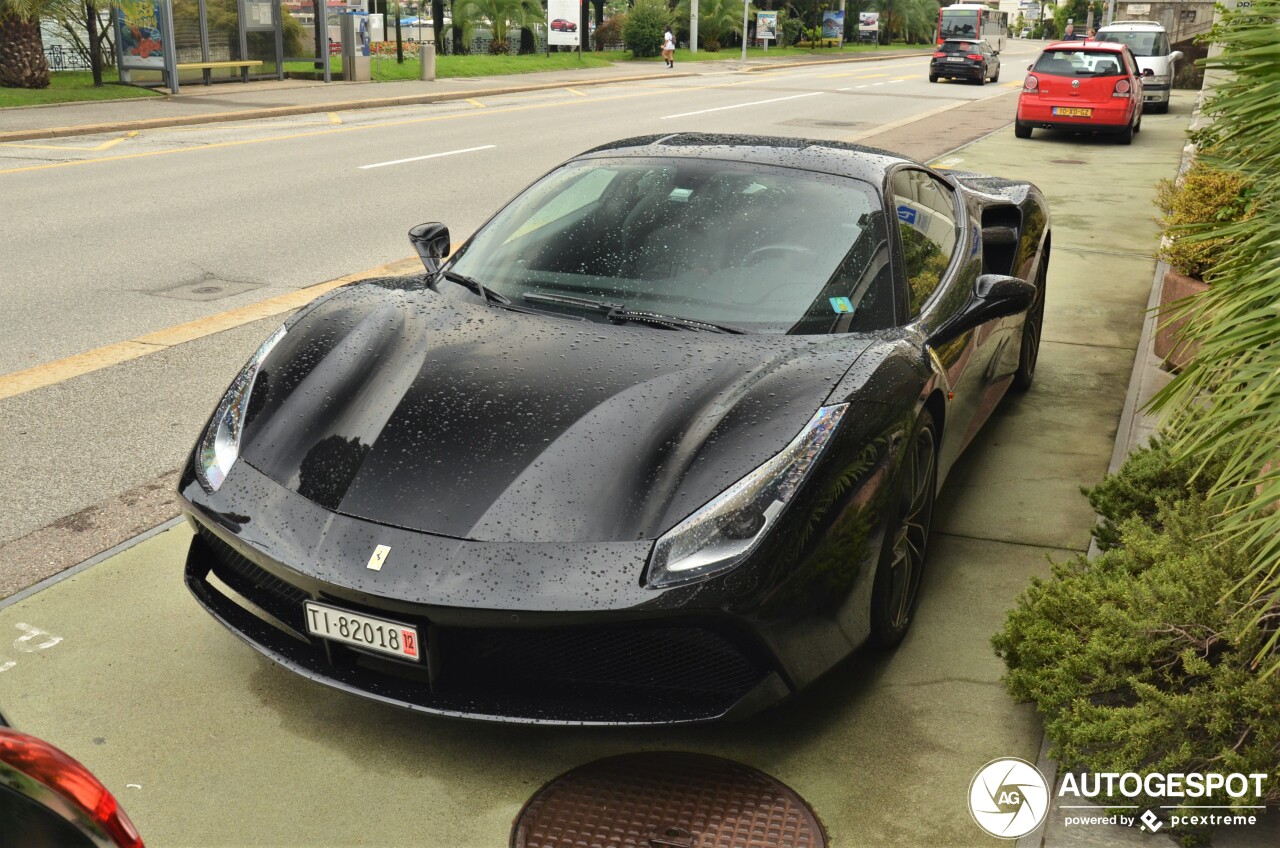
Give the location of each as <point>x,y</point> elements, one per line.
<point>1138,660</point>
<point>644,27</point>
<point>609,32</point>
<point>1149,476</point>
<point>1202,198</point>
<point>792,29</point>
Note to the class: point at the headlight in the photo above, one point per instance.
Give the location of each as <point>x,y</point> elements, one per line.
<point>721,534</point>
<point>221,443</point>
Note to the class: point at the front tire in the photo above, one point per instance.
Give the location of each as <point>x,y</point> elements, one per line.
<point>1032,330</point>
<point>897,584</point>
<point>933,78</point>
<point>996,78</point>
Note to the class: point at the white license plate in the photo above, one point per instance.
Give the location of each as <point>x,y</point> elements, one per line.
<point>373,634</point>
<point>955,58</point>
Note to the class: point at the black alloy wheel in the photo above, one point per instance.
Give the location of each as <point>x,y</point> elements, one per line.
<point>897,585</point>
<point>1032,329</point>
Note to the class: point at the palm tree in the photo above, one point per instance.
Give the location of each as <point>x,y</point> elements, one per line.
<point>499,16</point>
<point>717,19</point>
<point>22,61</point>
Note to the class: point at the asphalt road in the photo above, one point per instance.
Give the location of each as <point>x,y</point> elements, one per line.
<point>125,235</point>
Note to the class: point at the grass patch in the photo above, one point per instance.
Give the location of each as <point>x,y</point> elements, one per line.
<point>386,69</point>
<point>69,87</point>
<point>735,53</point>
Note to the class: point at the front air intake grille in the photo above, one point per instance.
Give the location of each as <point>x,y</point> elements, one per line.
<point>672,665</point>
<point>274,595</point>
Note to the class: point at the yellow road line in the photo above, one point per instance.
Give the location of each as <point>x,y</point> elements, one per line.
<point>106,145</point>
<point>18,382</point>
<point>575,91</point>
<point>334,119</point>
<point>476,103</point>
<point>857,74</point>
<point>358,128</point>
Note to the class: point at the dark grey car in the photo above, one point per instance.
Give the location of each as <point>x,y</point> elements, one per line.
<point>965,58</point>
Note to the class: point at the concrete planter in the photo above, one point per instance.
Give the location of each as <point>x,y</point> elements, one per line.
<point>1174,352</point>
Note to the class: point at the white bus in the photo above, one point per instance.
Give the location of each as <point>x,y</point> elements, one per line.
<point>973,20</point>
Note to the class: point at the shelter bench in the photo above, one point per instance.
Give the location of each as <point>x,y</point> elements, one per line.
<point>206,67</point>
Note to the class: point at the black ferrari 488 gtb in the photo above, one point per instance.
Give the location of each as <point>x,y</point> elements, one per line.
<point>659,443</point>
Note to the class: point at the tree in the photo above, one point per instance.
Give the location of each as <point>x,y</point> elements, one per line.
<point>22,61</point>
<point>716,20</point>
<point>645,24</point>
<point>500,16</point>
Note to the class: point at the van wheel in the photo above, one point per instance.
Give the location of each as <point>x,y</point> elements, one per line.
<point>1160,108</point>
<point>1021,130</point>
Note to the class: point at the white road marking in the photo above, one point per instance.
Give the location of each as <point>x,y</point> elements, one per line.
<point>428,156</point>
<point>846,88</point>
<point>949,162</point>
<point>22,643</point>
<point>741,105</point>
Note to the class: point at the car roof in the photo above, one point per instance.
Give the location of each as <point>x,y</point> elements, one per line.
<point>1133,26</point>
<point>828,157</point>
<point>1095,46</point>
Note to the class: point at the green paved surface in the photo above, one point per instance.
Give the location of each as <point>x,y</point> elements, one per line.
<point>206,743</point>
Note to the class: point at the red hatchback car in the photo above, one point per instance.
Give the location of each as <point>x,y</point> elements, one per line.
<point>1086,86</point>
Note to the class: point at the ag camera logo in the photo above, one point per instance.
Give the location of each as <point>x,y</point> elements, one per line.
<point>1008,798</point>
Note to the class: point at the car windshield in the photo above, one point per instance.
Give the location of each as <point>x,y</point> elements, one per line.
<point>960,23</point>
<point>1079,63</point>
<point>1141,43</point>
<point>763,249</point>
<point>958,47</point>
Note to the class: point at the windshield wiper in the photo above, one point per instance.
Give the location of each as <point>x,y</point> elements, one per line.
<point>476,286</point>
<point>619,313</point>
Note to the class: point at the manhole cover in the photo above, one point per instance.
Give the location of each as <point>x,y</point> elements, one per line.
<point>666,800</point>
<point>1067,161</point>
<point>206,288</point>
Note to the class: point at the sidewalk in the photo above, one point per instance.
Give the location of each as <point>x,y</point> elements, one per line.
<point>209,743</point>
<point>235,101</point>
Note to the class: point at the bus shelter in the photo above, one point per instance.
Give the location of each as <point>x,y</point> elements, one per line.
<point>169,41</point>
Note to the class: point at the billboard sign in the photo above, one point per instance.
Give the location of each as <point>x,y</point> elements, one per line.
<point>833,25</point>
<point>140,34</point>
<point>868,21</point>
<point>562,22</point>
<point>767,26</point>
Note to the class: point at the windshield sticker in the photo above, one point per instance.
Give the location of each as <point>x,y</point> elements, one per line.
<point>841,305</point>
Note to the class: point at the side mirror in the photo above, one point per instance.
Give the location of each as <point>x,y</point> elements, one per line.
<point>1029,67</point>
<point>1147,72</point>
<point>1175,56</point>
<point>994,296</point>
<point>432,243</point>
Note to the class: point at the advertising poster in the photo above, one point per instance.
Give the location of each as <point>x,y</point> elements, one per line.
<point>767,25</point>
<point>140,34</point>
<point>833,25</point>
<point>868,21</point>
<point>562,22</point>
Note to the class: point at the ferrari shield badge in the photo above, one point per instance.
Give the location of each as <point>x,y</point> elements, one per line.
<point>378,558</point>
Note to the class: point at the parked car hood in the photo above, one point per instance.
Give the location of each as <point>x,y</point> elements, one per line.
<point>416,410</point>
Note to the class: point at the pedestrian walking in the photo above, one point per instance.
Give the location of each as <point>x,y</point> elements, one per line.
<point>669,48</point>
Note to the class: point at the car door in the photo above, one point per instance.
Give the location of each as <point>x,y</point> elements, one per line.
<point>941,261</point>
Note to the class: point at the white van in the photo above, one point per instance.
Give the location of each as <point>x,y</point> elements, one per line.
<point>1150,45</point>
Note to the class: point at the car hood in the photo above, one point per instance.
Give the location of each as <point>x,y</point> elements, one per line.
<point>412,409</point>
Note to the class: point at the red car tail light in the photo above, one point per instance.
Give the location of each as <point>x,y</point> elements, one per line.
<point>43,762</point>
<point>1122,88</point>
<point>977,57</point>
<point>1030,83</point>
<point>939,55</point>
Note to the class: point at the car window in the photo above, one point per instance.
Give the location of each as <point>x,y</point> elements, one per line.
<point>767,249</point>
<point>957,47</point>
<point>1146,43</point>
<point>927,225</point>
<point>1078,63</point>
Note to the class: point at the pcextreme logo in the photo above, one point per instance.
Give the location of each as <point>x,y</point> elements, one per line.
<point>1008,798</point>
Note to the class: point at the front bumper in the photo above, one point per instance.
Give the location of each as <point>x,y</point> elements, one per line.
<point>509,635</point>
<point>1154,93</point>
